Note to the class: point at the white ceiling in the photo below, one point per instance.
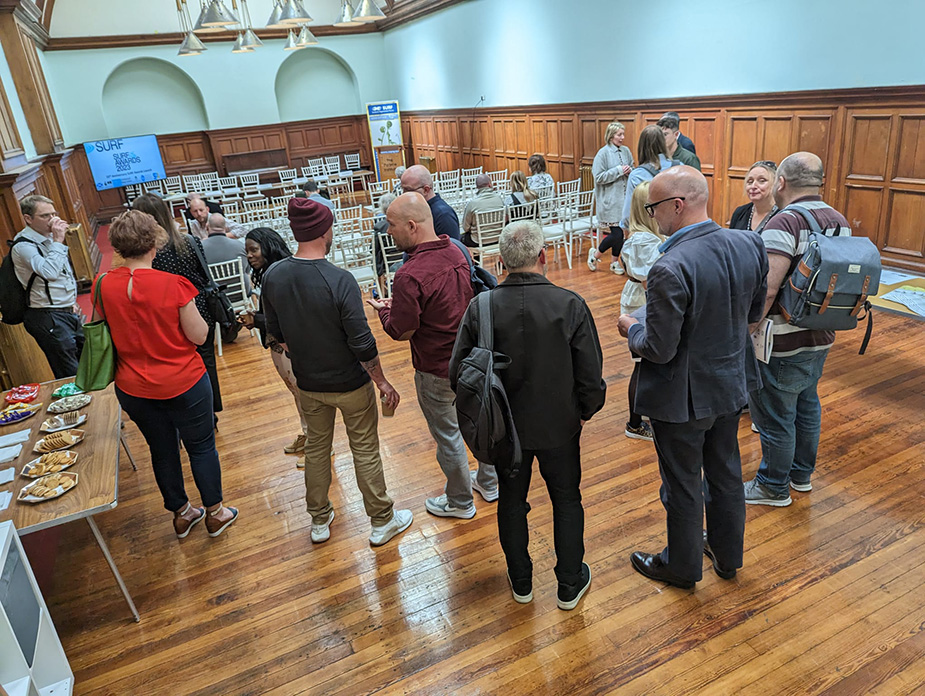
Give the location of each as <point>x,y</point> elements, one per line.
<point>108,17</point>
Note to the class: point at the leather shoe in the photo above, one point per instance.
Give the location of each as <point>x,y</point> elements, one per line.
<point>651,565</point>
<point>708,552</point>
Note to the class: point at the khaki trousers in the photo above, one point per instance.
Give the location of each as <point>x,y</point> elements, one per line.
<point>361,419</point>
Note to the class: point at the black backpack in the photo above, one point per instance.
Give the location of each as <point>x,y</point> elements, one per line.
<point>482,408</point>
<point>14,298</point>
<point>480,278</point>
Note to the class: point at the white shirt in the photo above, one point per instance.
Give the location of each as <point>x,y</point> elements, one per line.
<point>50,263</point>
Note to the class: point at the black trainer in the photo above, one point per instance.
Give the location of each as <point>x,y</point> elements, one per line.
<point>521,589</point>
<point>569,596</point>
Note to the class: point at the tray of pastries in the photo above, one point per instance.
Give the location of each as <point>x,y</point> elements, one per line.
<point>48,487</point>
<point>17,412</point>
<point>69,403</point>
<point>50,463</point>
<point>67,420</point>
<point>60,440</point>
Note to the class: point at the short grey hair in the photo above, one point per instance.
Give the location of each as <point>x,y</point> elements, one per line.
<point>27,205</point>
<point>399,170</point>
<point>386,201</point>
<point>520,244</point>
<point>802,170</point>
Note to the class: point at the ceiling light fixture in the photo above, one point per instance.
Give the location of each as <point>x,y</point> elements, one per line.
<point>306,38</point>
<point>239,46</point>
<point>216,16</point>
<point>368,11</point>
<point>293,13</point>
<point>291,43</point>
<point>346,18</point>
<point>191,45</point>
<point>249,38</point>
<point>273,22</point>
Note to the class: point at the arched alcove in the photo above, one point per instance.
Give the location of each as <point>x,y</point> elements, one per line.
<point>313,83</point>
<point>149,95</point>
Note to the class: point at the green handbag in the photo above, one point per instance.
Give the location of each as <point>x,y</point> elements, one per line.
<point>97,367</point>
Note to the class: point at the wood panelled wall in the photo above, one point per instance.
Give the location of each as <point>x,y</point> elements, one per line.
<point>872,142</point>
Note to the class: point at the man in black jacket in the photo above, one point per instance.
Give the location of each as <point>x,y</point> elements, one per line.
<point>701,295</point>
<point>554,386</point>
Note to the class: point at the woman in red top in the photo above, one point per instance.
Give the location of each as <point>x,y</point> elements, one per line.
<point>161,381</point>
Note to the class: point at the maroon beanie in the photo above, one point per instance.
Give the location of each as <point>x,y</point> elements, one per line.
<point>309,219</point>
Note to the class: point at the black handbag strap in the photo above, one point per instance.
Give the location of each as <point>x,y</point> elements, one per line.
<point>486,326</point>
<point>210,282</point>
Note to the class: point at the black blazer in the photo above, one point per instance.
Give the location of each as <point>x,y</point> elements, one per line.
<point>701,296</point>
<point>555,379</point>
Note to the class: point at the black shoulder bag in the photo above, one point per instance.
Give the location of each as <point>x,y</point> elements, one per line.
<point>216,300</point>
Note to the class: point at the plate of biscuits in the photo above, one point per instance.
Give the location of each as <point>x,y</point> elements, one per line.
<point>48,487</point>
<point>69,403</point>
<point>50,463</point>
<point>58,441</point>
<point>67,420</point>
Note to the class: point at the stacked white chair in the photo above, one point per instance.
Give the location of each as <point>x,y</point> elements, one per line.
<point>230,276</point>
<point>489,225</point>
<point>287,179</point>
<point>332,165</point>
<point>250,186</point>
<point>191,183</point>
<point>352,161</point>
<point>173,185</point>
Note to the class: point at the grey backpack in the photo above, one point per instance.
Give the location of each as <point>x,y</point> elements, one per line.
<point>832,281</point>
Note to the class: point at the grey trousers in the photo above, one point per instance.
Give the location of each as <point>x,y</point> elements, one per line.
<point>436,400</point>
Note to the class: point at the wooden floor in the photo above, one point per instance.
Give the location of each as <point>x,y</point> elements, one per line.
<point>831,599</point>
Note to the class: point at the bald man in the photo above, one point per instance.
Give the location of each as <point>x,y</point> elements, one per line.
<point>430,294</point>
<point>709,284</point>
<point>786,408</point>
<point>417,179</point>
<point>486,198</point>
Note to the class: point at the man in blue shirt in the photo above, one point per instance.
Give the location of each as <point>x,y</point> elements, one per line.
<point>417,178</point>
<point>694,377</point>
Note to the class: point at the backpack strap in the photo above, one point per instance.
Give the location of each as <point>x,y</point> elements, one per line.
<point>38,247</point>
<point>486,326</point>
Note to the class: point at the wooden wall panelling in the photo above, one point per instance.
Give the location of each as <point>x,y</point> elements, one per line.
<point>186,153</point>
<point>29,79</point>
<point>555,137</point>
<point>868,135</point>
<point>244,140</point>
<point>446,143</point>
<point>903,228</point>
<point>12,154</point>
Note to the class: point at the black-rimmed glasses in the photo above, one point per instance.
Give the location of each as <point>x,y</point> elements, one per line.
<point>650,207</point>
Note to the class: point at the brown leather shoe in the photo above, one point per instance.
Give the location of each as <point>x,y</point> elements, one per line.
<point>216,527</point>
<point>181,525</point>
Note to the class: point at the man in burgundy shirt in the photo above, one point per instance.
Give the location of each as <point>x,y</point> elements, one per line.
<point>430,294</point>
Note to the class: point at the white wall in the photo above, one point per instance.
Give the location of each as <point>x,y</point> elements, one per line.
<point>237,89</point>
<point>516,52</point>
<point>315,84</point>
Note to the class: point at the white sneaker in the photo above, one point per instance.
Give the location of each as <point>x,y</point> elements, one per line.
<point>322,532</point>
<point>401,520</point>
<point>615,267</point>
<point>487,496</point>
<point>592,260</point>
<point>441,507</point>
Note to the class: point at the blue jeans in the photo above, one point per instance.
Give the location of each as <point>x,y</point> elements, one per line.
<point>787,412</point>
<point>164,423</point>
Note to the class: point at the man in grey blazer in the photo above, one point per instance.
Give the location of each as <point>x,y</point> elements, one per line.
<point>702,294</point>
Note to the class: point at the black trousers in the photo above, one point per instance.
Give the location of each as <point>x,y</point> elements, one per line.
<point>560,468</point>
<point>164,423</point>
<point>614,242</point>
<point>700,465</point>
<point>207,352</point>
<point>60,336</point>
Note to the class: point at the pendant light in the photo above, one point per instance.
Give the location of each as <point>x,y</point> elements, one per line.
<point>249,38</point>
<point>191,45</point>
<point>345,18</point>
<point>306,38</point>
<point>216,15</point>
<point>291,43</point>
<point>368,11</point>
<point>239,46</point>
<point>293,13</point>
<point>273,22</point>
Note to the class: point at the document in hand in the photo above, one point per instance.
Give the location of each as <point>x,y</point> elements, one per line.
<point>763,340</point>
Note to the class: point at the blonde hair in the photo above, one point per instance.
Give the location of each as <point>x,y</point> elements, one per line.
<point>519,183</point>
<point>612,131</point>
<point>639,218</point>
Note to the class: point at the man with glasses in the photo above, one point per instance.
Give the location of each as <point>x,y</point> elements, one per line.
<point>671,127</point>
<point>694,377</point>
<point>40,258</point>
<point>417,179</point>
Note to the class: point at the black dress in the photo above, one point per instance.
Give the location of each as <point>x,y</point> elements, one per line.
<point>742,214</point>
<point>187,265</point>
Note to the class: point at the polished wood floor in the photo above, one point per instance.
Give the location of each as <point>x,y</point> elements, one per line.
<point>831,599</point>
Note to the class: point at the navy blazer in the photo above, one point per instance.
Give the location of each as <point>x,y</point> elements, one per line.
<point>701,296</point>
